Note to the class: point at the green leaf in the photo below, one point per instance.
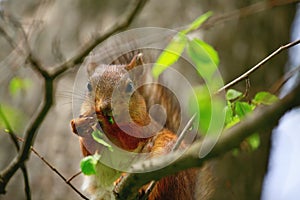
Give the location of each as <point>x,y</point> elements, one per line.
<point>213,54</point>
<point>88,164</point>
<point>264,98</point>
<point>98,137</point>
<point>18,84</point>
<point>203,105</point>
<point>254,141</point>
<point>228,114</point>
<point>233,122</point>
<point>242,108</point>
<point>197,22</point>
<point>204,57</point>
<point>232,94</point>
<point>16,118</point>
<point>170,54</point>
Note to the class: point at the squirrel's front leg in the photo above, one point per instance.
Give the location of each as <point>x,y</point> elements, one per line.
<point>178,186</point>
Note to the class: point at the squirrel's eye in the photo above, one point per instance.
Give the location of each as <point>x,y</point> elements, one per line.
<point>89,87</point>
<point>129,87</point>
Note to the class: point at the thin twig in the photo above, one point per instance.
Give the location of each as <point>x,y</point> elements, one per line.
<point>278,84</point>
<point>26,181</point>
<point>67,181</point>
<point>244,12</point>
<point>148,190</point>
<point>74,176</point>
<point>248,85</point>
<point>183,133</point>
<point>59,174</point>
<point>175,147</point>
<point>17,162</point>
<point>264,118</point>
<point>120,25</point>
<point>257,66</point>
<point>9,129</point>
<point>13,137</point>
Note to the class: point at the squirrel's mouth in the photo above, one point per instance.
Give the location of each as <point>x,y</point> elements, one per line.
<point>105,116</point>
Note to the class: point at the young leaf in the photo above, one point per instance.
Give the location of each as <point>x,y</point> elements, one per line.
<point>264,98</point>
<point>203,105</point>
<point>17,84</point>
<point>204,57</point>
<point>228,114</point>
<point>88,165</point>
<point>98,137</point>
<point>254,141</point>
<point>170,54</point>
<point>14,116</point>
<point>233,122</point>
<point>232,94</point>
<point>242,108</point>
<point>211,115</point>
<point>213,54</point>
<point>197,22</point>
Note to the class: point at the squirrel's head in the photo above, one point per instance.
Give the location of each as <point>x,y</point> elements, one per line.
<point>114,97</point>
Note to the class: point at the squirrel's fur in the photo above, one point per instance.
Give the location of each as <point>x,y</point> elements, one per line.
<point>103,80</point>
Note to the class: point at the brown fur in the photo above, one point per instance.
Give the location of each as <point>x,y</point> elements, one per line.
<point>178,186</point>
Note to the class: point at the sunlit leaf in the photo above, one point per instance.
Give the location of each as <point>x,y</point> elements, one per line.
<point>203,105</point>
<point>98,137</point>
<point>14,116</point>
<point>88,164</point>
<point>213,54</point>
<point>204,57</point>
<point>232,94</point>
<point>198,22</point>
<point>18,84</point>
<point>170,54</point>
<point>264,98</point>
<point>210,111</point>
<point>242,108</point>
<point>233,122</point>
<point>228,114</point>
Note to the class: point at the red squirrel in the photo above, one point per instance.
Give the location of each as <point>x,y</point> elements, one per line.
<point>103,81</point>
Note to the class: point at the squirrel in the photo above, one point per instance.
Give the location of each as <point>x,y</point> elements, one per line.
<point>103,81</point>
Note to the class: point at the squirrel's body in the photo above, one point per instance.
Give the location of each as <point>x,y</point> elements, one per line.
<point>108,105</point>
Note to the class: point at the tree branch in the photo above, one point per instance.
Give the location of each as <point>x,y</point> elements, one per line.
<point>258,65</point>
<point>23,155</point>
<point>263,118</point>
<point>278,84</point>
<point>120,25</point>
<point>67,181</point>
<point>244,12</point>
<point>13,137</point>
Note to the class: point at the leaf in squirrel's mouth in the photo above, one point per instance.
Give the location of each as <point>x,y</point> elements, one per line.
<point>110,120</point>
<point>98,136</point>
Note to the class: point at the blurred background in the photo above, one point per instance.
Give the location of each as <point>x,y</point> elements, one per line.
<point>57,29</point>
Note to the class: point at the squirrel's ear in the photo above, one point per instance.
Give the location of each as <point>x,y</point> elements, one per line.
<point>136,61</point>
<point>91,68</point>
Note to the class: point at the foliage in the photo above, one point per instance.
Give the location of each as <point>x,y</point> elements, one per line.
<point>237,109</point>
<point>198,50</point>
<point>14,116</point>
<point>88,164</point>
<point>98,137</point>
<point>209,106</point>
<point>18,84</point>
